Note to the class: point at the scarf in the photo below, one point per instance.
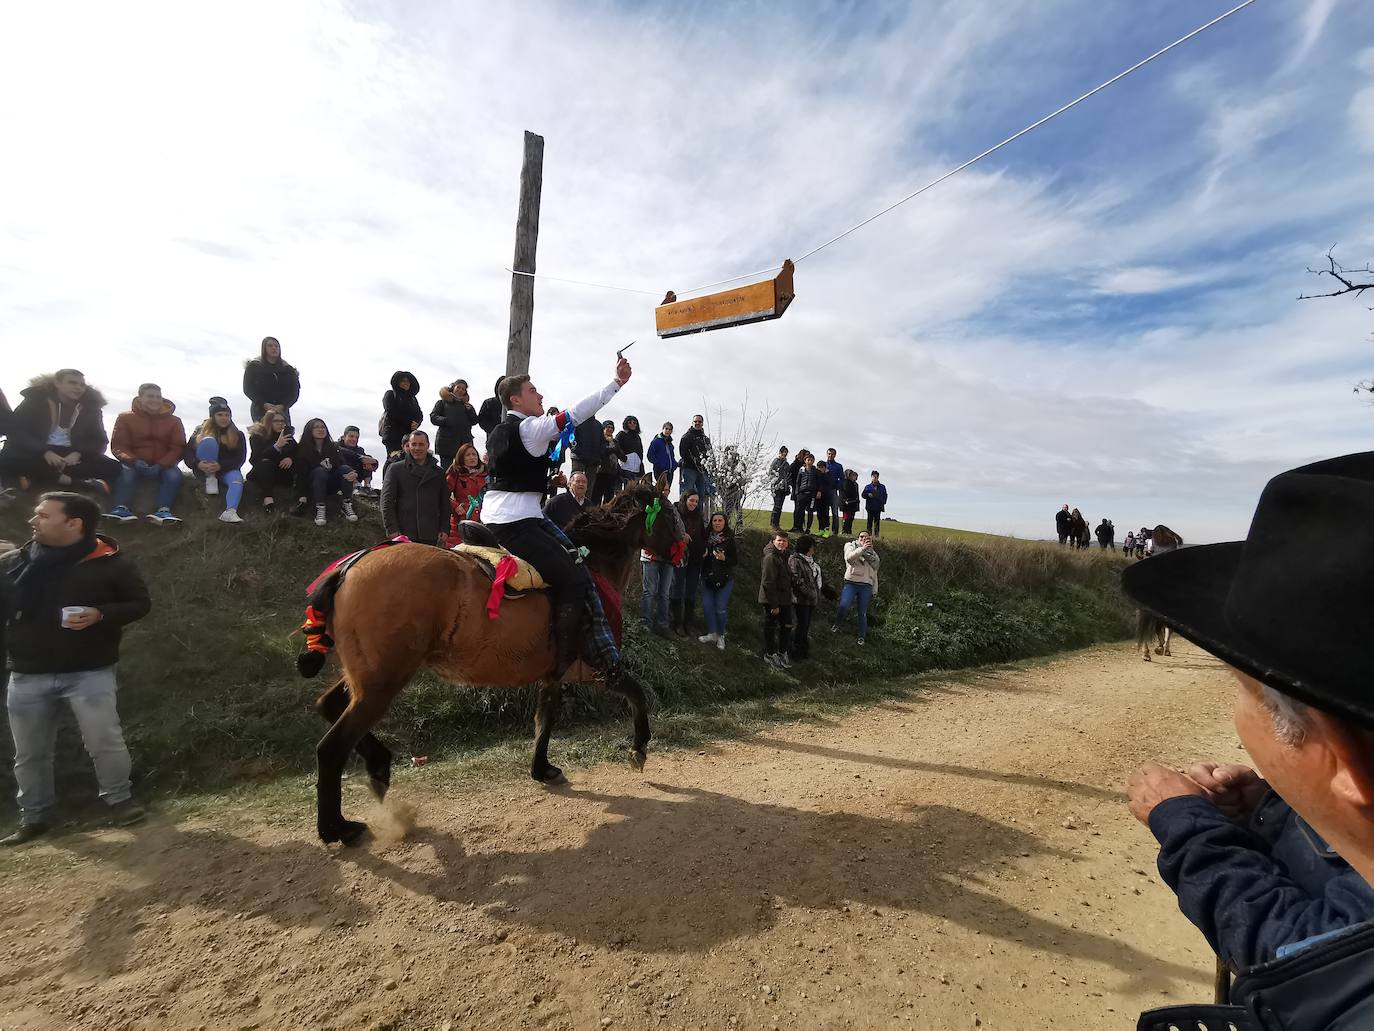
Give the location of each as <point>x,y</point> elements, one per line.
<point>42,560</point>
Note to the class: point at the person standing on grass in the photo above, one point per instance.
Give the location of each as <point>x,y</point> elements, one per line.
<point>837,478</point>
<point>860,582</point>
<point>455,417</point>
<point>1063,524</point>
<point>321,472</point>
<point>775,597</point>
<point>661,454</point>
<point>825,498</point>
<point>875,500</point>
<point>687,577</point>
<point>805,494</point>
<point>806,588</point>
<point>718,579</point>
<point>57,437</point>
<point>793,475</point>
<point>400,410</point>
<point>696,455</point>
<point>467,482</point>
<point>148,442</point>
<point>270,383</point>
<point>272,452</point>
<point>1104,534</point>
<point>1128,545</point>
<point>65,597</point>
<point>849,500</point>
<point>779,483</point>
<point>415,495</point>
<point>217,451</point>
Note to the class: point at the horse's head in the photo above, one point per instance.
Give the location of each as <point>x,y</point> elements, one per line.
<point>639,517</point>
<point>660,524</point>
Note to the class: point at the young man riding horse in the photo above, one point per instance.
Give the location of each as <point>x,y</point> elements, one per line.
<point>518,469</point>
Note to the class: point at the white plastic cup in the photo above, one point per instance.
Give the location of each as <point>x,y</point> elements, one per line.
<point>70,612</point>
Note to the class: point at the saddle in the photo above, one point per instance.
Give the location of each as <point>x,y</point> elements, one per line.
<point>479,547</point>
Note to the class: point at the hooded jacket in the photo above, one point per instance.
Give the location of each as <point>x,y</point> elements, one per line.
<point>662,456</point>
<point>455,420</point>
<point>38,413</point>
<point>155,439</point>
<point>415,500</point>
<point>489,416</point>
<point>779,475</point>
<point>861,565</point>
<point>775,582</point>
<point>103,579</point>
<point>400,407</point>
<point>270,383</point>
<point>694,448</point>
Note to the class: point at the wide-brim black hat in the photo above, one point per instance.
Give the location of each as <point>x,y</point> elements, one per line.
<point>1292,605</point>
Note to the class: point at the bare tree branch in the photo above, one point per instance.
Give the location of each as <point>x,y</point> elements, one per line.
<point>1353,280</point>
<point>737,461</point>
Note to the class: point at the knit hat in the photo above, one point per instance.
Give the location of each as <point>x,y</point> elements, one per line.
<point>218,404</point>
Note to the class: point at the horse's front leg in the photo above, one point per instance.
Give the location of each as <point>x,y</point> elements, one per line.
<point>629,688</point>
<point>545,716</point>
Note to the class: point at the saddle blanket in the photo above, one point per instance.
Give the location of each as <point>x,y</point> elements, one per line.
<point>523,576</point>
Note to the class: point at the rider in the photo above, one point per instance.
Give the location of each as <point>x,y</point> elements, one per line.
<point>518,462</point>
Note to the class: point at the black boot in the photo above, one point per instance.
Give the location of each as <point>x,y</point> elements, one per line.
<point>675,616</point>
<point>688,604</point>
<point>567,624</point>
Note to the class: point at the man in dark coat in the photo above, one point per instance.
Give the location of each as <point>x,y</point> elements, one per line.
<point>454,415</point>
<point>415,495</point>
<point>1277,874</point>
<point>562,509</point>
<point>1063,523</point>
<point>57,436</point>
<point>269,381</point>
<point>491,413</point>
<point>400,410</point>
<point>695,451</point>
<point>65,597</point>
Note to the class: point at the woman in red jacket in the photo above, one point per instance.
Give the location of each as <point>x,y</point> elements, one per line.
<point>467,482</point>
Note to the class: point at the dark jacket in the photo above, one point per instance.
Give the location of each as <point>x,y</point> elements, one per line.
<point>715,571</point>
<point>308,458</point>
<point>849,497</point>
<point>629,441</point>
<point>875,496</point>
<point>836,471</point>
<point>270,383</point>
<point>1062,521</point>
<point>415,500</point>
<point>37,415</point>
<point>804,587</point>
<point>562,509</point>
<point>809,481</point>
<point>1253,888</point>
<point>400,407</point>
<point>794,471</point>
<point>775,584</point>
<point>455,420</point>
<point>104,579</point>
<point>695,449</point>
<point>489,416</point>
<point>6,414</point>
<point>662,456</point>
<point>227,457</point>
<point>1104,532</point>
<point>353,457</point>
<point>696,532</point>
<point>265,455</point>
<point>825,487</point>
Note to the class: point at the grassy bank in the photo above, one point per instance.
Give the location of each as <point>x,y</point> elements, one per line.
<point>210,697</point>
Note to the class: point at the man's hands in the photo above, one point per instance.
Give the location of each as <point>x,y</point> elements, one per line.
<point>1152,784</point>
<point>81,620</point>
<point>1233,788</point>
<point>54,460</point>
<point>622,370</point>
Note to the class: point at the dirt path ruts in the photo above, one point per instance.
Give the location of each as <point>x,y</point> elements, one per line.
<point>960,859</point>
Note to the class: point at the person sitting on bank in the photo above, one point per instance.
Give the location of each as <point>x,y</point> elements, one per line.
<point>1260,866</point>
<point>269,382</point>
<point>148,442</point>
<point>415,495</point>
<point>272,451</point>
<point>351,450</point>
<point>562,509</point>
<point>57,437</point>
<point>217,451</point>
<point>321,471</point>
<point>65,597</point>
<point>518,456</point>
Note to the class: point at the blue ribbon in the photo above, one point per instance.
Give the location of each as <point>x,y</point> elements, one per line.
<point>565,439</point>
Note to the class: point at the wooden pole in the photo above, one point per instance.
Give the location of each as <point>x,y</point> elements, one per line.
<point>526,239</point>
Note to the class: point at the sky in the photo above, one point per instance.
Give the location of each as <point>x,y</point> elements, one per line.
<point>1103,313</point>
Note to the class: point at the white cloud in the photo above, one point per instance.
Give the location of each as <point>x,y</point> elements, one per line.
<point>1150,279</point>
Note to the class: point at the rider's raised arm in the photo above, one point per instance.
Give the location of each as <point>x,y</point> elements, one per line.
<point>539,432</point>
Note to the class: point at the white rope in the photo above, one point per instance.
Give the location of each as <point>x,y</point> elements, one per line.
<point>936,182</point>
<point>582,282</point>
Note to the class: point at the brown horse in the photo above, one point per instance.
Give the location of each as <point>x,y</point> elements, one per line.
<point>1149,630</point>
<point>410,607</point>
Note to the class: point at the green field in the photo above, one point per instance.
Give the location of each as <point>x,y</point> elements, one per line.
<point>757,518</point>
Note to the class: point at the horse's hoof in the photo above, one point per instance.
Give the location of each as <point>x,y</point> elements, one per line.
<point>550,777</point>
<point>346,831</point>
<point>638,757</point>
<point>1147,655</point>
<point>379,787</point>
<point>1159,650</point>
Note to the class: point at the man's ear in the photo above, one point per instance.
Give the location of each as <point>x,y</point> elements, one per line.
<point>1352,760</point>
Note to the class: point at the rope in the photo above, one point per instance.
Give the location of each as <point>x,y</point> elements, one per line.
<point>935,182</point>
<point>580,282</point>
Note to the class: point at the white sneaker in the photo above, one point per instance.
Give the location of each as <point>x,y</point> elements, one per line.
<point>211,485</point>
<point>348,512</point>
<point>230,515</point>
<point>319,515</point>
<point>709,638</point>
<point>720,642</point>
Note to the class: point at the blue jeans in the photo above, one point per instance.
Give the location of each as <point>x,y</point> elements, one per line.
<point>715,602</point>
<point>697,480</point>
<point>230,479</point>
<point>168,482</point>
<point>324,482</point>
<point>658,586</point>
<point>863,593</point>
<point>34,700</point>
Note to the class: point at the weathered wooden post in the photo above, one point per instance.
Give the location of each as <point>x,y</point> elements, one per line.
<point>526,239</point>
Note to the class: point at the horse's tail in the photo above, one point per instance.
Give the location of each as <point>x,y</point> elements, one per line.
<point>318,608</point>
<point>1145,628</point>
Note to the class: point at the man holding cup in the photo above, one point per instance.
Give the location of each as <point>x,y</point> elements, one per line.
<point>66,596</point>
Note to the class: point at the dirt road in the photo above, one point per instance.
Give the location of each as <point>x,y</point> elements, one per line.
<point>960,859</point>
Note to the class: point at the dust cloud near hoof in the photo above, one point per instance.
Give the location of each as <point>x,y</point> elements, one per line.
<point>394,821</point>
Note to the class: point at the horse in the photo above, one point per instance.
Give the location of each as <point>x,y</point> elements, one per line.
<point>1147,627</point>
<point>407,607</point>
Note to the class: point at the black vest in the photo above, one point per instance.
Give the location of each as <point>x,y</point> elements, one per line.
<point>510,466</point>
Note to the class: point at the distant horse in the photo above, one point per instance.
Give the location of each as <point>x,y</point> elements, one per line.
<point>1147,628</point>
<point>409,607</point>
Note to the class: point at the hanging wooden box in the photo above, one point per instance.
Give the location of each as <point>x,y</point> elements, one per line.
<point>755,302</point>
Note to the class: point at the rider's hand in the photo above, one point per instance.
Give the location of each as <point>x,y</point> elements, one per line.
<point>1233,788</point>
<point>1152,784</point>
<point>622,370</point>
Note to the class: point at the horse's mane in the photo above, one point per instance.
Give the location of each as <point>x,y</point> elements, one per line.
<point>606,524</point>
<point>1161,528</point>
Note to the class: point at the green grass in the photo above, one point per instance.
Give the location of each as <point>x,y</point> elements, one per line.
<point>210,698</point>
<point>892,529</point>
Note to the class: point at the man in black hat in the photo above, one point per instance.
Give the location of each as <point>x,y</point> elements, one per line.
<point>1294,622</point>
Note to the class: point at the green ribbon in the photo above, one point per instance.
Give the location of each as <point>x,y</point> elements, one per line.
<point>651,514</point>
